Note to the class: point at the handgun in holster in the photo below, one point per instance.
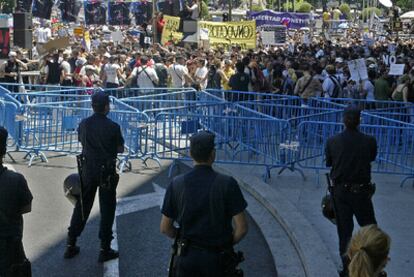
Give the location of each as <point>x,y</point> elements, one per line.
<point>108,177</point>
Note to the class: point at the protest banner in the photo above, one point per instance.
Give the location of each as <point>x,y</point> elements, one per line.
<point>396,69</point>
<point>170,31</point>
<point>358,70</point>
<point>289,19</point>
<point>225,34</point>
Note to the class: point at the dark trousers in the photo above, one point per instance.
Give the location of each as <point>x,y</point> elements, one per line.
<point>111,85</point>
<point>200,263</point>
<point>11,253</point>
<point>348,204</point>
<point>107,205</point>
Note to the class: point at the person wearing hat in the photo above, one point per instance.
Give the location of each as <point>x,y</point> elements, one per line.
<point>209,209</point>
<point>349,154</point>
<point>11,68</point>
<point>101,141</point>
<point>15,200</point>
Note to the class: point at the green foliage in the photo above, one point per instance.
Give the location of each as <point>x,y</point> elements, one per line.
<point>6,6</point>
<point>204,13</point>
<point>257,8</point>
<point>305,7</point>
<point>366,13</point>
<point>346,10</point>
<point>405,5</point>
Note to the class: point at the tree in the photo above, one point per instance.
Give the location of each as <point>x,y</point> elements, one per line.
<point>204,13</point>
<point>6,6</point>
<point>304,7</point>
<point>346,10</point>
<point>405,5</point>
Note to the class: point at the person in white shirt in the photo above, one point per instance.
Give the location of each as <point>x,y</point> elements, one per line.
<point>179,73</point>
<point>367,86</point>
<point>112,73</point>
<point>201,74</point>
<point>331,85</point>
<point>146,76</point>
<point>42,35</point>
<point>194,9</point>
<point>66,77</point>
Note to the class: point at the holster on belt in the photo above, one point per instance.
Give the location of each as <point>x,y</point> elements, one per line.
<point>108,177</point>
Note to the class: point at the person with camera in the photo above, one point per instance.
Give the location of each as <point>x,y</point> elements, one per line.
<point>204,204</point>
<point>15,200</point>
<point>349,154</point>
<point>101,141</point>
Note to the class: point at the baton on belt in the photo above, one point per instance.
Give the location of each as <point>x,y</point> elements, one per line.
<point>79,159</point>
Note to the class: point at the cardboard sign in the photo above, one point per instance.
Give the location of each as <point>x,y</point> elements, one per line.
<point>273,35</point>
<point>59,43</point>
<point>358,70</point>
<point>396,69</point>
<point>4,20</point>
<point>87,41</point>
<point>204,34</point>
<point>389,59</point>
<point>170,32</point>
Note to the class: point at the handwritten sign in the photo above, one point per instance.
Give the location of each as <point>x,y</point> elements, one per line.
<point>358,70</point>
<point>396,69</point>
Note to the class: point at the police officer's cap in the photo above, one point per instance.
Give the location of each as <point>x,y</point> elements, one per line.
<point>100,99</point>
<point>3,140</point>
<point>352,112</point>
<point>203,140</point>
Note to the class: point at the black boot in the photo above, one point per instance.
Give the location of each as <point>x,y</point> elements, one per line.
<point>71,249</point>
<point>107,253</point>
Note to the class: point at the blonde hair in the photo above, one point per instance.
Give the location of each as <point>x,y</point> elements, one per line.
<point>368,251</point>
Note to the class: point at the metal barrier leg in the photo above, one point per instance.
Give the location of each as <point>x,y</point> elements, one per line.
<point>293,168</point>
<point>11,158</point>
<point>405,180</point>
<point>154,158</point>
<point>171,169</point>
<point>266,175</point>
<point>124,165</point>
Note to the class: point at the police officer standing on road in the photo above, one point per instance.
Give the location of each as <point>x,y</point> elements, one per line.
<point>350,154</point>
<point>101,140</point>
<point>204,203</point>
<point>15,200</point>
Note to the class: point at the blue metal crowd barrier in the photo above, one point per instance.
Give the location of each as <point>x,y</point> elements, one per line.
<point>395,146</point>
<point>241,140</point>
<point>123,92</point>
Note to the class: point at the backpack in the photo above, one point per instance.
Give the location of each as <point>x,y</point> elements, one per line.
<point>211,83</point>
<point>337,91</point>
<point>162,74</point>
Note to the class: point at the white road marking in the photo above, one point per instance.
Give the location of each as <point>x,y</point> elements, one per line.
<point>128,205</point>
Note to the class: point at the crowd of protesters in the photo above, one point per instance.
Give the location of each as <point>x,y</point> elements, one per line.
<point>316,69</point>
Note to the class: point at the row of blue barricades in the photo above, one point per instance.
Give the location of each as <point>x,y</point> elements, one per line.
<point>274,131</point>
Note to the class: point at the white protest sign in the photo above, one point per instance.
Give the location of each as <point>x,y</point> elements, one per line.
<point>358,70</point>
<point>203,34</point>
<point>396,69</point>
<point>117,36</point>
<point>4,20</point>
<point>389,59</point>
<point>268,38</point>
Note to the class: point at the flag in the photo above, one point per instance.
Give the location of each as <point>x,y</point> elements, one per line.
<point>95,13</point>
<point>118,13</point>
<point>42,8</point>
<point>70,10</point>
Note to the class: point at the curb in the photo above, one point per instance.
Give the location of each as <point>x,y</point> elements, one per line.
<point>314,255</point>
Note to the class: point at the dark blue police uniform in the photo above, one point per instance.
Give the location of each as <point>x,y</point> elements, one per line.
<point>101,140</point>
<point>350,154</point>
<point>204,211</point>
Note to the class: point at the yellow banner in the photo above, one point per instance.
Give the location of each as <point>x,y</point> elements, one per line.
<point>170,30</point>
<point>225,34</point>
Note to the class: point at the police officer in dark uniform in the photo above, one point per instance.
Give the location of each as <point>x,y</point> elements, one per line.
<point>15,200</point>
<point>204,203</point>
<point>350,154</point>
<point>101,140</point>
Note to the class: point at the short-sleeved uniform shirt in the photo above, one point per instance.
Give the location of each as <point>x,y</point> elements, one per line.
<point>14,195</point>
<point>199,222</point>
<point>350,154</point>
<point>100,138</point>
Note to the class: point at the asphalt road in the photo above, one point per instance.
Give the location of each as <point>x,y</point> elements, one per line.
<point>143,250</point>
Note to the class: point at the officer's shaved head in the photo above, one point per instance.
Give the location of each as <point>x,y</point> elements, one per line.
<point>352,117</point>
<point>3,141</point>
<point>202,146</point>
